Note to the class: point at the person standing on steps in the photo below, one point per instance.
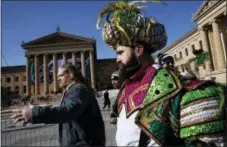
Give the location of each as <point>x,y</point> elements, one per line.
<point>106,99</point>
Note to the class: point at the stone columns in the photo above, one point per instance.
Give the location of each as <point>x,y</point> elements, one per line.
<point>193,67</point>
<point>204,37</point>
<point>200,67</point>
<point>36,74</point>
<point>82,58</point>
<point>205,42</point>
<point>55,70</point>
<point>45,74</point>
<point>28,85</point>
<point>91,56</point>
<point>64,60</point>
<point>73,58</point>
<point>219,54</point>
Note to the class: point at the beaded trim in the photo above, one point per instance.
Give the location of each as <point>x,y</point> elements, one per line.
<point>200,117</point>
<point>211,127</point>
<point>201,105</point>
<point>121,100</point>
<point>214,139</point>
<point>209,138</point>
<point>200,110</point>
<point>198,101</point>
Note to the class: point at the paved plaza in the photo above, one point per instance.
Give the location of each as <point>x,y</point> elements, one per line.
<point>44,134</point>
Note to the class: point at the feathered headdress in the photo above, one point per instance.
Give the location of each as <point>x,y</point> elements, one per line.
<point>125,25</point>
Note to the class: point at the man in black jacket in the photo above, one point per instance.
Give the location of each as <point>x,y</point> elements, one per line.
<point>79,116</point>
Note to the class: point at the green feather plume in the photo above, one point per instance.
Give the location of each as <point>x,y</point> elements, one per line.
<point>115,7</point>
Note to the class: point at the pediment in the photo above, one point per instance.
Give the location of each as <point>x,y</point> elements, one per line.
<point>205,6</point>
<point>58,38</point>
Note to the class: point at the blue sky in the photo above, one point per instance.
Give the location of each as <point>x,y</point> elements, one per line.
<point>27,20</point>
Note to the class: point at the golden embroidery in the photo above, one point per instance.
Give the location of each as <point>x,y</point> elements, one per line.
<point>142,88</point>
<point>121,98</point>
<point>208,136</point>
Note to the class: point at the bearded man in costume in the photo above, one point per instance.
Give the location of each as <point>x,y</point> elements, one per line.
<point>155,107</point>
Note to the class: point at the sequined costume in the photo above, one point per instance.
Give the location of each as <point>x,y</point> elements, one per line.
<point>157,101</point>
<point>192,110</point>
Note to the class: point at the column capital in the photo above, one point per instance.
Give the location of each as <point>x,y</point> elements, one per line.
<point>36,55</point>
<point>203,28</point>
<point>27,55</point>
<point>215,20</point>
<point>83,51</point>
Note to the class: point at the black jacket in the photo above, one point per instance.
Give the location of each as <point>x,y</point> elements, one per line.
<point>79,117</point>
<point>106,98</point>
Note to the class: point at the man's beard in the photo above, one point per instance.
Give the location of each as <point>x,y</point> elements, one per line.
<point>126,71</point>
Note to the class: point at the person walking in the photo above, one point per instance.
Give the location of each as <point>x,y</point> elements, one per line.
<point>79,116</point>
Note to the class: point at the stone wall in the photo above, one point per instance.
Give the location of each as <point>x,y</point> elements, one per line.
<point>104,69</point>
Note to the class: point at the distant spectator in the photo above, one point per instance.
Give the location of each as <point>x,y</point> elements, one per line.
<point>106,99</point>
<point>115,80</point>
<point>165,60</point>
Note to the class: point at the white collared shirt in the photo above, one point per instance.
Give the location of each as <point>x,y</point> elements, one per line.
<point>128,133</point>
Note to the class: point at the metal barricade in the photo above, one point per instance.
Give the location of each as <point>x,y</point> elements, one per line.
<point>42,134</point>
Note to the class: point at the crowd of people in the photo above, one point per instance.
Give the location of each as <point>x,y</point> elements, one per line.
<point>154,105</point>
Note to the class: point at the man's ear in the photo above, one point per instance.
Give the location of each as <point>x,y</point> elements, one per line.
<point>139,50</point>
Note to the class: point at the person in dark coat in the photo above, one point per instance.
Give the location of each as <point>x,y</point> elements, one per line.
<point>166,60</point>
<point>106,99</point>
<point>79,116</point>
<point>116,82</point>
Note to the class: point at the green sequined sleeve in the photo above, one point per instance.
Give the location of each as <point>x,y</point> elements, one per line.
<point>202,115</point>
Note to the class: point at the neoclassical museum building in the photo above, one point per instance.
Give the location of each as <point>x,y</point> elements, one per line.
<point>45,54</point>
<point>210,35</point>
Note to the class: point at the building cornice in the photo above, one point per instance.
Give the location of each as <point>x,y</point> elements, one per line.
<point>13,69</point>
<point>56,34</point>
<point>40,52</point>
<point>54,45</point>
<point>200,15</point>
<point>188,34</point>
